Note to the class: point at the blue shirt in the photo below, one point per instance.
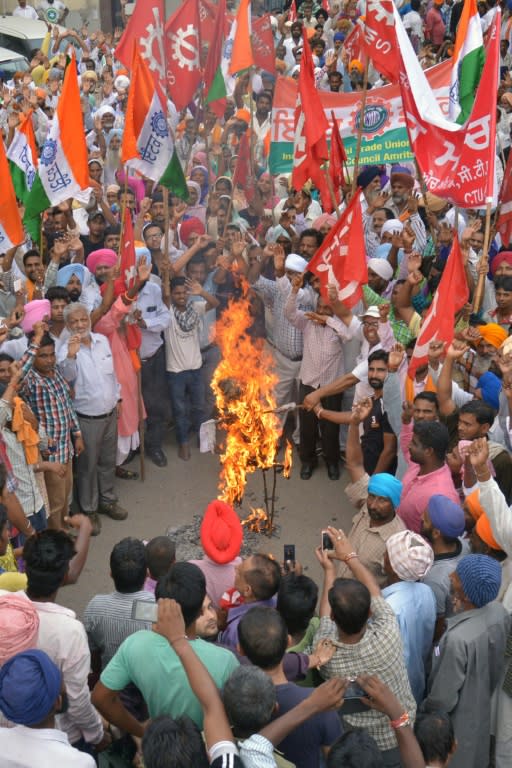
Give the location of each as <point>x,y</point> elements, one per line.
<point>415,608</point>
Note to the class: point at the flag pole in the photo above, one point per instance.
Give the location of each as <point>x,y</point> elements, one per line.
<point>360,126</point>
<point>424,191</point>
<point>479,290</point>
<point>331,189</point>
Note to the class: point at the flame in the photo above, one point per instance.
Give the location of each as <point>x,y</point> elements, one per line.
<point>243,385</point>
<point>257,520</point>
<point>288,457</point>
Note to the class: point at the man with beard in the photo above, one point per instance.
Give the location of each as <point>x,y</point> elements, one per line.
<point>82,289</point>
<point>404,204</point>
<point>428,471</point>
<point>86,361</point>
<point>377,499</point>
<point>485,341</point>
<point>469,660</point>
<point>442,524</point>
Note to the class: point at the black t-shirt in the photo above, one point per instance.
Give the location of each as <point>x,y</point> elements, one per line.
<point>89,246</point>
<point>372,441</point>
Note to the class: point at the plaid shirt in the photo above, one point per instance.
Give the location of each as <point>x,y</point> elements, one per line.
<point>379,652</point>
<point>286,338</point>
<point>402,331</point>
<point>50,399</point>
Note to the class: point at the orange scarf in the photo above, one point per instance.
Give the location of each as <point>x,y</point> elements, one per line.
<point>409,387</point>
<point>25,432</point>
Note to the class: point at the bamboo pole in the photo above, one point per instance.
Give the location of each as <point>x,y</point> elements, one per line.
<point>360,126</point>
<point>479,290</point>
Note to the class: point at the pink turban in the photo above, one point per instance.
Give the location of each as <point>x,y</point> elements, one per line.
<point>34,312</point>
<point>324,218</point>
<point>189,226</point>
<point>19,626</point>
<point>105,256</point>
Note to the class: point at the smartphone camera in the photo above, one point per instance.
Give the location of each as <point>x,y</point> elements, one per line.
<point>326,541</point>
<point>289,557</point>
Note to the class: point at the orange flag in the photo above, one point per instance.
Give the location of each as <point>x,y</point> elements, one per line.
<point>242,56</point>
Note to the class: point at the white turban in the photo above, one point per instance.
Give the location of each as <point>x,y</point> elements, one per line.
<point>121,82</point>
<point>295,263</point>
<point>381,267</point>
<point>391,225</point>
<point>410,556</point>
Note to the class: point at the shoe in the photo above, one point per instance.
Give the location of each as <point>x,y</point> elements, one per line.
<point>158,457</point>
<point>306,471</point>
<point>184,451</point>
<point>95,522</point>
<point>333,471</point>
<point>126,474</point>
<point>113,510</point>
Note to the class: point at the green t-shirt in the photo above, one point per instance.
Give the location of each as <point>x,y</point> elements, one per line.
<point>147,660</point>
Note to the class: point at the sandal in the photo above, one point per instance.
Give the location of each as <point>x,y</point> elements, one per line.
<point>126,474</point>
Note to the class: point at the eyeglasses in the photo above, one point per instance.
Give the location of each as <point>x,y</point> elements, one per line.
<point>368,324</point>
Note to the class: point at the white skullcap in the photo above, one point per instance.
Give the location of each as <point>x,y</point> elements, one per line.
<point>121,82</point>
<point>295,263</point>
<point>391,225</point>
<point>381,267</point>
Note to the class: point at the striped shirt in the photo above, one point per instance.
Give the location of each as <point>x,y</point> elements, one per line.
<point>50,399</point>
<point>286,338</point>
<point>108,621</point>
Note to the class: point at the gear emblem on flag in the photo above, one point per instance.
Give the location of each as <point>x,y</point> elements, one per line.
<point>159,125</point>
<point>185,48</point>
<point>155,34</point>
<point>49,152</point>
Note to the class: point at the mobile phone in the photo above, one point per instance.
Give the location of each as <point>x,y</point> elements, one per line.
<point>144,611</point>
<point>354,691</point>
<point>326,541</point>
<point>17,285</point>
<point>289,556</point>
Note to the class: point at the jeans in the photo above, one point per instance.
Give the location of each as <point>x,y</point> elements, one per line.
<point>187,400</point>
<point>38,522</point>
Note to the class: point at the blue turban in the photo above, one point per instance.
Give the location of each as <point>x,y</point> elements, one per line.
<point>65,274</point>
<point>339,36</point>
<point>382,251</point>
<point>141,251</point>
<point>480,576</point>
<point>490,386</point>
<point>29,686</point>
<point>386,485</point>
<point>446,516</point>
<point>367,176</point>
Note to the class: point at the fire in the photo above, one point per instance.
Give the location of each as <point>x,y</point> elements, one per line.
<point>257,520</point>
<point>243,386</point>
<point>287,463</point>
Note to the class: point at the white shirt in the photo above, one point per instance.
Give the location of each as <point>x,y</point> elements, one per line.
<point>23,747</point>
<point>52,12</point>
<point>182,349</point>
<point>92,374</point>
<point>156,316</point>
<point>63,638</point>
<point>28,12</point>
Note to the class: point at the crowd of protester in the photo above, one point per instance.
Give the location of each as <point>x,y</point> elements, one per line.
<point>402,656</point>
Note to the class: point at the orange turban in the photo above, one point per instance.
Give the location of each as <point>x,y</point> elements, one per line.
<point>243,114</point>
<point>484,530</point>
<point>473,505</point>
<point>356,64</point>
<point>493,334</point>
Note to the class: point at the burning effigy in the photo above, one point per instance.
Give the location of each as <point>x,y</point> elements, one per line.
<point>243,385</point>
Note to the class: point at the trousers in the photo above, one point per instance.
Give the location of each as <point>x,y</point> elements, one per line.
<point>187,401</point>
<point>156,401</point>
<point>329,432</point>
<point>95,467</point>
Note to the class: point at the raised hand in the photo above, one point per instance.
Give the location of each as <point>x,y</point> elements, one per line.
<point>456,350</point>
<point>396,355</point>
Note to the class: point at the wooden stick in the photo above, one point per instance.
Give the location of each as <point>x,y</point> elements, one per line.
<point>165,195</point>
<point>424,191</point>
<point>360,127</point>
<point>142,463</point>
<point>331,190</point>
<point>480,286</point>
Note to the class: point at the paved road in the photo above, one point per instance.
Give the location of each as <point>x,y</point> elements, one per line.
<point>172,496</point>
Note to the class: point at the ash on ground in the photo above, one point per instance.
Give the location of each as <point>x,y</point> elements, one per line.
<point>188,546</point>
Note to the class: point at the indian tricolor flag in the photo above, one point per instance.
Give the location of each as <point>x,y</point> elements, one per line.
<point>241,53</point>
<point>62,172</point>
<point>11,229</point>
<point>22,157</point>
<point>468,61</point>
<point>147,144</point>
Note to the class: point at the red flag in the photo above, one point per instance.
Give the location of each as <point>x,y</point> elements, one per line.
<point>214,59</point>
<point>146,28</point>
<point>451,295</point>
<point>504,223</point>
<point>337,159</point>
<point>457,162</point>
<point>208,15</point>
<point>292,12</point>
<point>332,263</point>
<point>379,38</point>
<point>243,175</point>
<point>353,43</point>
<point>311,125</point>
<point>182,48</point>
<point>263,47</point>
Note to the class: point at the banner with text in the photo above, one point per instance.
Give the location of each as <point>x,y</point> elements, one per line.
<point>385,137</point>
